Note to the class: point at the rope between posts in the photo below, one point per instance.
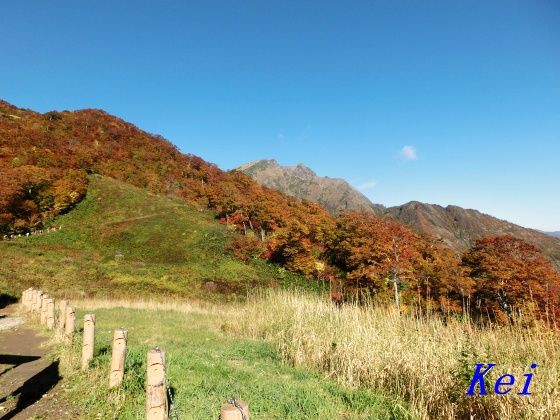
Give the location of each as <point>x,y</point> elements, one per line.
<point>172,407</point>
<point>234,402</point>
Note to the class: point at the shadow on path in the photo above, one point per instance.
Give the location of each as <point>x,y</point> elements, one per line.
<point>6,300</point>
<point>15,360</point>
<point>33,389</point>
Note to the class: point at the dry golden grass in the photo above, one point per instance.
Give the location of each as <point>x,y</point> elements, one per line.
<point>204,367</point>
<point>182,306</point>
<point>426,362</point>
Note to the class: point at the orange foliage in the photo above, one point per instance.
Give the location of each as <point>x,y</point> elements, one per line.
<point>246,247</point>
<point>54,151</point>
<point>376,252</point>
<point>442,281</point>
<point>512,276</point>
<point>45,159</point>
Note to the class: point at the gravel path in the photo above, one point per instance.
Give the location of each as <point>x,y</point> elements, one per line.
<point>9,322</point>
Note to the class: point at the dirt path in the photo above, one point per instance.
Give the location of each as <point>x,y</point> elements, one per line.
<point>29,379</point>
<point>132,219</point>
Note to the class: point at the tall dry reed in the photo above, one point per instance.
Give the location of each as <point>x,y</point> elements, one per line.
<point>425,362</point>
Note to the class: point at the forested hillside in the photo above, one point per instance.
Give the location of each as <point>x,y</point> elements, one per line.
<point>45,164</point>
<point>45,159</point>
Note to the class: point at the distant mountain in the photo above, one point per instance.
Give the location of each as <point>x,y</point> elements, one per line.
<point>334,194</point>
<point>555,234</point>
<point>457,227</point>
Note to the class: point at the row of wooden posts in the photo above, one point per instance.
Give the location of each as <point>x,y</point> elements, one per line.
<point>42,306</point>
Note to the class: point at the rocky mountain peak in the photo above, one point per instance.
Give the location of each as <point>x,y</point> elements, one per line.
<point>335,195</point>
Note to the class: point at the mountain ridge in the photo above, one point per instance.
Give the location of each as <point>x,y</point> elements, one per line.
<point>456,227</point>
<point>335,194</point>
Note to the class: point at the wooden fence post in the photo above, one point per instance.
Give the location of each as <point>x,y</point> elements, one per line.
<point>62,315</point>
<point>234,410</point>
<point>118,357</point>
<point>29,299</point>
<point>43,314</point>
<point>50,314</point>
<point>34,300</point>
<point>156,392</point>
<point>37,302</point>
<point>69,324</point>
<point>88,343</point>
<point>24,298</point>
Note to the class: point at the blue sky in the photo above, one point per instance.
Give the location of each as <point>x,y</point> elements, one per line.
<point>448,102</point>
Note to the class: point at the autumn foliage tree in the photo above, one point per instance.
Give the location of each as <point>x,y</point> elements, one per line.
<point>30,195</point>
<point>45,159</point>
<point>376,252</point>
<point>442,282</point>
<point>511,276</point>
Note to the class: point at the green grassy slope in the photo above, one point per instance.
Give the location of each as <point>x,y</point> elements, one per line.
<point>205,367</point>
<point>122,239</point>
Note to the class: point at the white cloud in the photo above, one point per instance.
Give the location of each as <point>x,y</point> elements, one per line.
<point>408,153</point>
<point>367,185</point>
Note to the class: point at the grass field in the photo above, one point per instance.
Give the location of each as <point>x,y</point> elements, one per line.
<point>427,362</point>
<point>122,239</point>
<point>298,356</point>
<point>205,367</point>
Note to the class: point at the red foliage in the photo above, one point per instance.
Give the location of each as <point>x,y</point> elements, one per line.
<point>512,276</point>
<point>442,282</point>
<point>45,160</point>
<point>336,298</point>
<point>376,252</point>
<point>54,151</point>
<point>247,247</point>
